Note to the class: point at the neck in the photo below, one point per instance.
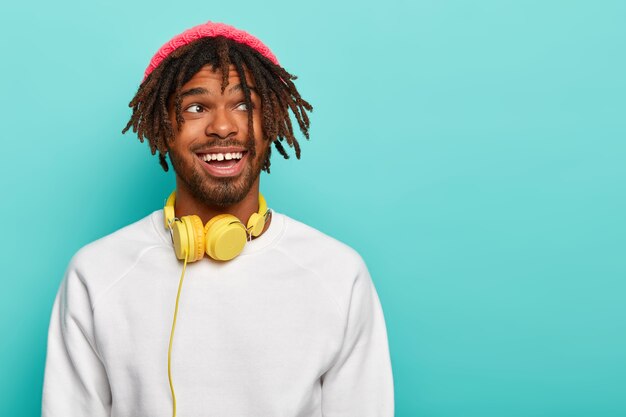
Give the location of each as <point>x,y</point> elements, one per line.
<point>186,204</point>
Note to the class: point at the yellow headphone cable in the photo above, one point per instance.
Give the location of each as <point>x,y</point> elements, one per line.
<point>169,351</point>
<point>253,229</point>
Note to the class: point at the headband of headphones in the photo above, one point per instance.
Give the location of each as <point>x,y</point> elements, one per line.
<point>253,222</point>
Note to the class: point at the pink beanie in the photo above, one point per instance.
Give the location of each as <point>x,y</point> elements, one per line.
<point>208,30</point>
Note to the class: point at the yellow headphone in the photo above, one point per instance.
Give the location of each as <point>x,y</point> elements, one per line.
<point>223,237</point>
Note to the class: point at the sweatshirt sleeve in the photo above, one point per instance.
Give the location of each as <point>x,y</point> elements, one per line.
<point>75,380</point>
<point>360,382</point>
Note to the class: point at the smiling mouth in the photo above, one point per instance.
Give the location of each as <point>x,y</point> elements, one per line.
<point>222,160</point>
<point>223,164</point>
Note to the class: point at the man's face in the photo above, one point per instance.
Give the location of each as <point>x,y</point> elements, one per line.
<point>211,154</point>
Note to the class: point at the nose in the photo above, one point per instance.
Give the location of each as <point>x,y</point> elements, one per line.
<point>222,124</point>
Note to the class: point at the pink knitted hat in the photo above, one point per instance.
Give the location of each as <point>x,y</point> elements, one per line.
<point>208,30</point>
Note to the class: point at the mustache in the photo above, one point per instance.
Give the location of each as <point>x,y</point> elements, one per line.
<point>249,145</point>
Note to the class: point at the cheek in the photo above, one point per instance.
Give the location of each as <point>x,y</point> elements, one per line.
<point>264,149</point>
<point>257,121</point>
<point>189,131</point>
<point>259,135</point>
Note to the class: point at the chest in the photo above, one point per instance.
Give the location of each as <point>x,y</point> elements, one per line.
<point>241,334</point>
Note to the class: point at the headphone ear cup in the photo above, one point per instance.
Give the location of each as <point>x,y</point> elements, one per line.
<point>180,239</point>
<point>256,223</point>
<point>195,227</point>
<point>225,237</point>
<point>188,235</point>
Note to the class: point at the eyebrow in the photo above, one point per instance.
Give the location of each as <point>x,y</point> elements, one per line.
<point>199,91</point>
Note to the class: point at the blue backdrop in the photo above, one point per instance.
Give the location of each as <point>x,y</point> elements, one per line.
<point>473,152</point>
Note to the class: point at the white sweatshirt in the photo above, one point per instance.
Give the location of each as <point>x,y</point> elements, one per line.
<point>292,327</point>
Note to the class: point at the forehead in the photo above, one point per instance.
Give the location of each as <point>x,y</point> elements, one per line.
<point>212,78</point>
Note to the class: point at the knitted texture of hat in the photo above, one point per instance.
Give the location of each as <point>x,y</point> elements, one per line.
<point>208,30</point>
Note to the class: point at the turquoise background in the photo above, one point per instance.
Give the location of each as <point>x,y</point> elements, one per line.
<point>472,151</point>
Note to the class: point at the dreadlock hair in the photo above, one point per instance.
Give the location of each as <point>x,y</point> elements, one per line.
<point>272,82</point>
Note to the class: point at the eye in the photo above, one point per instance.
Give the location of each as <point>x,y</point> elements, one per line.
<point>242,106</point>
<point>194,108</point>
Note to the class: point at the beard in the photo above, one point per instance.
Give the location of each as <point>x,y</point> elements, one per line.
<point>215,191</point>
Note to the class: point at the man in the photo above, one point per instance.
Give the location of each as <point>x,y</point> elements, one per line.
<point>275,318</point>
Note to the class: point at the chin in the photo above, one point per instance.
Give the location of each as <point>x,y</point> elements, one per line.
<point>223,192</point>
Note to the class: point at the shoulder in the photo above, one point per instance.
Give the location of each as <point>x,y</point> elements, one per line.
<point>330,258</point>
<point>102,261</point>
<point>339,268</point>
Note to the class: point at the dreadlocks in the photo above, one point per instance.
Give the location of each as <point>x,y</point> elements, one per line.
<point>272,82</point>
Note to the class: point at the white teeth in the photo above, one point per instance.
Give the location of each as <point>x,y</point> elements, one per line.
<point>222,156</point>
